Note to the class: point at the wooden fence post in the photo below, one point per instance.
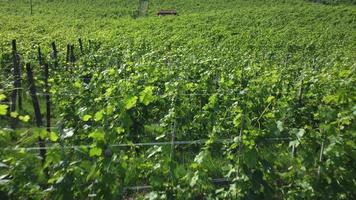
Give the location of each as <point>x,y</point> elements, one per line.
<point>16,84</point>
<point>54,55</point>
<point>72,56</point>
<point>89,44</point>
<point>36,107</point>
<point>40,59</point>
<point>81,46</point>
<point>68,52</point>
<point>48,98</point>
<point>170,194</point>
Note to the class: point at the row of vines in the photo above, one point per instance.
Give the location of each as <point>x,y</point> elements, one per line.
<point>252,103</point>
<point>286,116</point>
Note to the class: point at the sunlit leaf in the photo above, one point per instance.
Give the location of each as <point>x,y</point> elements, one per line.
<point>24,118</point>
<point>3,109</point>
<point>99,115</point>
<point>95,151</point>
<point>53,136</point>
<point>146,96</point>
<point>130,102</point>
<point>14,114</point>
<point>2,97</point>
<point>86,118</point>
<point>97,135</point>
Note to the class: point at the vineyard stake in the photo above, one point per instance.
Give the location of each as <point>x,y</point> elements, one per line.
<point>170,195</point>
<point>72,56</point>
<point>40,60</point>
<point>320,157</point>
<point>17,82</point>
<point>54,55</point>
<point>81,46</point>
<point>48,100</point>
<point>243,84</point>
<point>68,52</point>
<point>36,107</point>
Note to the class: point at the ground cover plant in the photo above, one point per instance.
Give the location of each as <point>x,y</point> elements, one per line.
<point>227,100</point>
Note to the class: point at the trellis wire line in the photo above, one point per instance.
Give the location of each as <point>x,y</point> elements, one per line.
<point>135,144</point>
<point>9,90</point>
<point>196,141</point>
<point>139,144</point>
<point>160,95</point>
<point>118,145</point>
<point>147,187</point>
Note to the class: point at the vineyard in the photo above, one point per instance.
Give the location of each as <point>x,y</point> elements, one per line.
<point>229,99</point>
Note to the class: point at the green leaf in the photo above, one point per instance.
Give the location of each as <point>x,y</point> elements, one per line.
<point>3,109</point>
<point>130,102</point>
<point>280,126</point>
<point>3,165</point>
<point>213,100</point>
<point>146,96</point>
<point>95,151</point>
<point>97,135</point>
<point>300,133</point>
<point>109,109</point>
<point>237,120</point>
<point>24,118</point>
<point>2,97</point>
<point>270,99</point>
<point>151,196</point>
<point>251,158</point>
<point>200,157</point>
<point>77,84</point>
<point>194,179</point>
<point>120,130</point>
<point>294,143</point>
<point>86,118</point>
<point>92,173</point>
<point>42,133</point>
<point>68,132</point>
<point>3,179</point>
<point>14,114</point>
<point>160,136</point>
<point>99,115</point>
<point>154,151</point>
<point>53,136</point>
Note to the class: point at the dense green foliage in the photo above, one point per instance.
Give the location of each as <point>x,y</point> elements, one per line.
<point>335,2</point>
<point>277,78</point>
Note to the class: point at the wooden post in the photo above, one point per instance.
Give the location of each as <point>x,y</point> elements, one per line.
<point>40,59</point>
<point>320,158</point>
<point>15,74</point>
<point>72,56</point>
<point>19,88</point>
<point>300,92</point>
<point>68,52</point>
<point>16,84</point>
<point>170,194</point>
<point>54,55</point>
<point>36,107</point>
<point>17,69</point>
<point>48,100</point>
<point>81,46</point>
